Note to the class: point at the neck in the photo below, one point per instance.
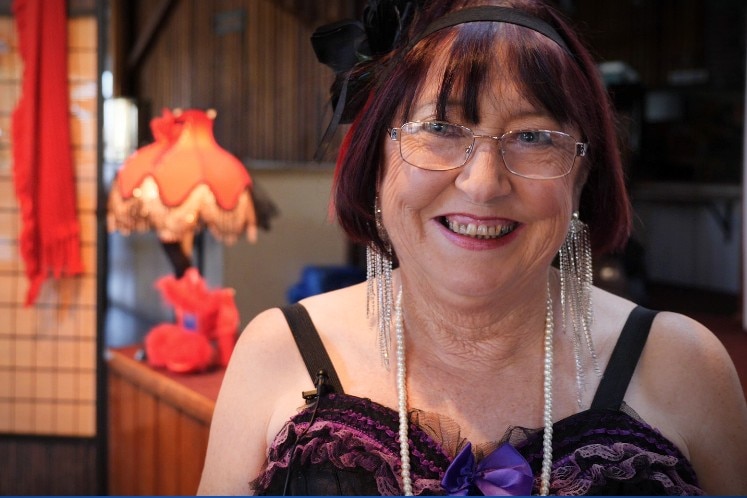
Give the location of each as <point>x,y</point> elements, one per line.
<point>489,331</point>
<point>547,340</point>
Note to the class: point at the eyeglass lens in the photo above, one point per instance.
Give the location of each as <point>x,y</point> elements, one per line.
<point>437,145</point>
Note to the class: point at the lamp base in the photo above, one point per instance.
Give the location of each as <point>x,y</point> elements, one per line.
<point>178,258</point>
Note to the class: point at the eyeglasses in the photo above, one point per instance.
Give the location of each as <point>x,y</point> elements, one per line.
<point>535,154</point>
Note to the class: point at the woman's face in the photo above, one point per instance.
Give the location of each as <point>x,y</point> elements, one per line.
<point>526,219</point>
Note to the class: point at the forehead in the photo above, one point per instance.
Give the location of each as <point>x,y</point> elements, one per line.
<point>500,91</point>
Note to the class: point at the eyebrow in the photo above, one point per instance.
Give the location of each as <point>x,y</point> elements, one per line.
<point>433,105</point>
<point>525,108</point>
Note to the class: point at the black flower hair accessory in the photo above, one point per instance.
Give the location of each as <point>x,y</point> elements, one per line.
<point>385,21</point>
<point>352,48</point>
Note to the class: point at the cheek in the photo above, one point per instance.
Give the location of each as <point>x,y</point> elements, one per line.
<point>549,199</point>
<point>408,188</point>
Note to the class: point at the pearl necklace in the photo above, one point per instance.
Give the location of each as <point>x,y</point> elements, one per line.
<point>404,446</point>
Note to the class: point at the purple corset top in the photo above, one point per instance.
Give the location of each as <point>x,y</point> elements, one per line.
<point>355,440</point>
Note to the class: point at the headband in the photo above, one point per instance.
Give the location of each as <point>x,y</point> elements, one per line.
<point>339,45</point>
<point>489,13</point>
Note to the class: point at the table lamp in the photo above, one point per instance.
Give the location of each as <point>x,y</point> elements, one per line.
<point>180,183</point>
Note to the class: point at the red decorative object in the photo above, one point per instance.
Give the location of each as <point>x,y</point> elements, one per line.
<point>181,181</point>
<point>206,326</point>
<point>42,156</point>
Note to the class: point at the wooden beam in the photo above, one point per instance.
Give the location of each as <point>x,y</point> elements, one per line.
<point>149,32</point>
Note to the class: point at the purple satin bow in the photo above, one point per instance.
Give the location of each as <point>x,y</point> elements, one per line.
<point>504,472</point>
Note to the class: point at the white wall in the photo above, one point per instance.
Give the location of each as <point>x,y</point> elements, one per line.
<point>302,234</point>
<point>692,234</point>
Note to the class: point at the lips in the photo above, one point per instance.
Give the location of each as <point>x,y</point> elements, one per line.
<point>479,230</point>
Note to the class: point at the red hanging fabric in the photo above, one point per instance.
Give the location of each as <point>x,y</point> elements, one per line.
<point>42,156</point>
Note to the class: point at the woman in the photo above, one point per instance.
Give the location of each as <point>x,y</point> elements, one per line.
<point>481,149</point>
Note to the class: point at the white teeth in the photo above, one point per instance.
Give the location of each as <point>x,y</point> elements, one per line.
<point>480,231</point>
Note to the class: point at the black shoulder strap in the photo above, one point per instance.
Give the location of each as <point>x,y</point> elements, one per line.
<point>624,359</point>
<point>310,345</point>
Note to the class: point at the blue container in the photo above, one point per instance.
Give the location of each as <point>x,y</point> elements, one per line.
<point>318,279</point>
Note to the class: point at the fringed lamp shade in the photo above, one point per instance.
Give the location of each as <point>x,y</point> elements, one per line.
<point>182,181</point>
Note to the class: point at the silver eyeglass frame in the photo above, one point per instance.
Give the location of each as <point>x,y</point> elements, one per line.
<point>581,148</point>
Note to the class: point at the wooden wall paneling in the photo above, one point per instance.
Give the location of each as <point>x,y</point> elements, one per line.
<point>301,117</point>
<point>148,32</point>
<point>284,116</point>
<point>192,444</point>
<point>145,412</point>
<point>263,79</point>
<point>276,110</point>
<point>154,75</point>
<point>264,94</point>
<point>123,443</point>
<point>286,67</point>
<point>202,48</point>
<point>168,437</point>
<point>284,84</point>
<point>155,448</point>
<point>313,103</point>
<point>33,465</point>
<point>132,452</point>
<point>261,91</point>
<point>229,26</point>
<point>254,52</point>
<point>167,59</point>
<point>130,434</point>
<point>73,462</point>
<point>159,427</point>
<point>172,60</point>
<point>183,43</point>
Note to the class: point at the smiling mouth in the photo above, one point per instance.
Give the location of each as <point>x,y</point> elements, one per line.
<point>478,231</point>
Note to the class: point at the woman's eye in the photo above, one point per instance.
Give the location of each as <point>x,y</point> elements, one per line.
<point>533,137</point>
<point>442,129</point>
<point>438,128</point>
<point>528,136</point>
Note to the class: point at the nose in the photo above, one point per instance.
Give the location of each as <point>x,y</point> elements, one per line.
<point>484,177</point>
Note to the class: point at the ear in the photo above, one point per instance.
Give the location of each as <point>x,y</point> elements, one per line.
<point>580,182</point>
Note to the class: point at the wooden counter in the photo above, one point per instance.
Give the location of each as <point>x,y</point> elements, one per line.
<point>158,426</point>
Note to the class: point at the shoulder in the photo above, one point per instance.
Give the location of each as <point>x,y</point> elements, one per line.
<point>682,349</point>
<point>267,333</point>
<point>254,400</point>
<point>688,388</point>
<point>672,336</point>
<point>677,334</point>
<point>256,357</point>
<point>682,355</point>
<point>262,387</point>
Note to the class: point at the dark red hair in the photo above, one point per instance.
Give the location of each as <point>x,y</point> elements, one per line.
<point>564,83</point>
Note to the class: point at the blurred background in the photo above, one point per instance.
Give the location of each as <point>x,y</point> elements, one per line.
<point>79,413</point>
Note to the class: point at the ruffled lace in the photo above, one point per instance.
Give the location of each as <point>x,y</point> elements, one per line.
<point>598,452</point>
<point>594,466</point>
<point>609,452</point>
<point>351,433</point>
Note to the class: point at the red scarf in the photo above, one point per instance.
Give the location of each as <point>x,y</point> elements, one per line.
<point>42,156</point>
